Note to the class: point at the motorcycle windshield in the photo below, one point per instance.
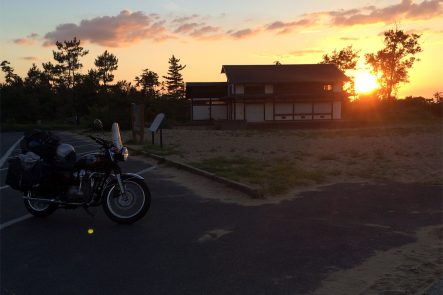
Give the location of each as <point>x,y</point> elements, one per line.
<point>116,138</point>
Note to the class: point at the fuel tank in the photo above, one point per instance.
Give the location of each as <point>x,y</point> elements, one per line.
<point>93,161</point>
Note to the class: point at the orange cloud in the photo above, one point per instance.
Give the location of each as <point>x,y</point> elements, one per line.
<point>406,9</point>
<point>129,27</point>
<point>29,40</point>
<point>31,58</point>
<point>286,27</point>
<point>114,31</point>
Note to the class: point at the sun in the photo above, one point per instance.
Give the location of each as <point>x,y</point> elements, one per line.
<point>365,81</point>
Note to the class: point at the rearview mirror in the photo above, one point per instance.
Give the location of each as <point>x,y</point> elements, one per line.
<point>97,125</point>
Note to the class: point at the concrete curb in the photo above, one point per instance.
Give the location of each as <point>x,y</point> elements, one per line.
<point>251,191</point>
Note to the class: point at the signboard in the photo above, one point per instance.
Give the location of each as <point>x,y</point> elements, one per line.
<point>155,126</point>
<point>157,122</point>
<point>138,121</point>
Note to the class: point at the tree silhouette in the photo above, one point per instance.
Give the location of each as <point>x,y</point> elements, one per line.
<point>392,63</point>
<point>11,79</point>
<point>345,59</point>
<point>174,79</point>
<point>68,57</point>
<point>148,81</point>
<point>106,64</point>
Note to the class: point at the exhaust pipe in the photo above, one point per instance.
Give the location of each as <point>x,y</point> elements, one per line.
<point>53,201</point>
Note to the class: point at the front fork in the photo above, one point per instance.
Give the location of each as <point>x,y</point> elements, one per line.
<point>120,183</point>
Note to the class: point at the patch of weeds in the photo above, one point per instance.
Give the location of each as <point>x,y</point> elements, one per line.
<point>167,150</point>
<point>274,176</point>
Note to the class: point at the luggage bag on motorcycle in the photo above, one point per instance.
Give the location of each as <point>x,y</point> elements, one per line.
<point>26,172</point>
<point>40,142</point>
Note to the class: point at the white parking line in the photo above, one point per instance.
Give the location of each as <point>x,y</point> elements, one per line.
<point>8,152</point>
<point>3,187</point>
<point>146,170</point>
<point>14,221</point>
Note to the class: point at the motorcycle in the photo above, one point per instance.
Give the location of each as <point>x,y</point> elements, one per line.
<point>62,181</point>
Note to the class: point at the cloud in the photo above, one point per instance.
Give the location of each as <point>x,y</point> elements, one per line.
<point>286,27</point>
<point>245,33</point>
<point>24,41</point>
<point>123,29</point>
<point>28,40</point>
<point>348,39</point>
<point>406,9</point>
<point>128,28</point>
<point>184,19</point>
<point>205,31</point>
<point>187,27</point>
<point>31,58</point>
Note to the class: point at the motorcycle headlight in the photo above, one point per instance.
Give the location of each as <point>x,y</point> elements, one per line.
<point>124,153</point>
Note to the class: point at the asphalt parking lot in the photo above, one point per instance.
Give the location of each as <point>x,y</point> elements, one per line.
<point>188,244</point>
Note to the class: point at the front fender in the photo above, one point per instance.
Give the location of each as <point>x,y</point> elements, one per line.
<point>131,175</point>
<point>125,176</point>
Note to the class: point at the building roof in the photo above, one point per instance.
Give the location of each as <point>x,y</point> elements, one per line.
<point>283,73</point>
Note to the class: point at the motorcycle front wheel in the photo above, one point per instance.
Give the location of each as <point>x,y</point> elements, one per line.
<point>130,206</point>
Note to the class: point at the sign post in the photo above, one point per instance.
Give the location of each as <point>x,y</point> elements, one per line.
<point>156,126</point>
<point>138,121</point>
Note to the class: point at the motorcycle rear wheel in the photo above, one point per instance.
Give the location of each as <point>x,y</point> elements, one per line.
<point>39,208</point>
<point>129,207</point>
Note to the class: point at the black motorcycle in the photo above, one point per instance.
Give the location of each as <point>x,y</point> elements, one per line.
<point>51,177</point>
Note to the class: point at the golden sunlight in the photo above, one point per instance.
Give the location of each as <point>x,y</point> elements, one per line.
<point>365,81</point>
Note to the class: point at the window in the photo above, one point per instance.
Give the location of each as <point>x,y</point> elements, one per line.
<point>254,89</point>
<point>327,87</point>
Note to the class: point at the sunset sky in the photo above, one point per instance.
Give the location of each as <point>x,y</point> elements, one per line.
<point>206,34</point>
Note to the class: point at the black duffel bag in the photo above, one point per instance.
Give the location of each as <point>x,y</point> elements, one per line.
<point>22,179</point>
<point>40,142</point>
<point>24,176</point>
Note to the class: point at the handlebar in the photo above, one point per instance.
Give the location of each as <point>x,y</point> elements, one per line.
<point>103,142</point>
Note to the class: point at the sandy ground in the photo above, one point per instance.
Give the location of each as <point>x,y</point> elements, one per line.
<point>410,269</point>
<point>404,153</point>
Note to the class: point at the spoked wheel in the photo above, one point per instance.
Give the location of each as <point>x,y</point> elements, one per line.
<point>130,206</point>
<point>40,208</point>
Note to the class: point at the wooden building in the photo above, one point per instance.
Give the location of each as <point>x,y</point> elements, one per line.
<point>266,93</point>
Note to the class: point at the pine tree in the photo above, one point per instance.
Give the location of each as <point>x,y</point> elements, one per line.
<point>106,64</point>
<point>174,79</point>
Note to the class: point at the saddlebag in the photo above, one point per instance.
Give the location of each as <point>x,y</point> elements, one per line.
<point>26,172</point>
<point>40,142</point>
